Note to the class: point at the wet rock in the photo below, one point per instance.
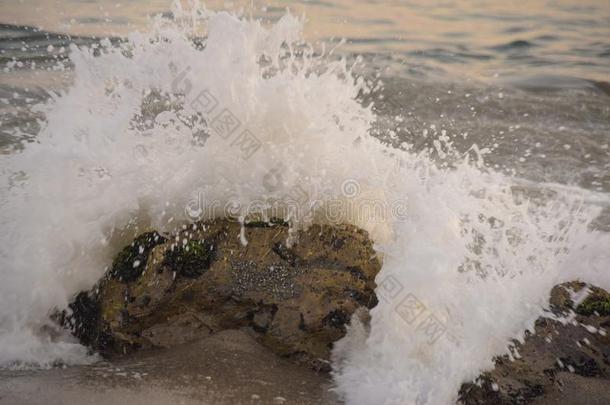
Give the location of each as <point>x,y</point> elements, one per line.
<point>566,361</point>
<point>295,299</point>
<point>596,303</point>
<point>131,261</point>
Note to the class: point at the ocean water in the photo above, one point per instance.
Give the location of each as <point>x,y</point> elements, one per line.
<point>470,139</point>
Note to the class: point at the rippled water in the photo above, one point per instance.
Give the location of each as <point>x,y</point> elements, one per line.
<point>479,39</point>
<point>529,79</point>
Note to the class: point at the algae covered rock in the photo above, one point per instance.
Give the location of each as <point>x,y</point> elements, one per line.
<point>295,299</point>
<point>565,361</point>
<point>131,261</point>
<point>596,303</point>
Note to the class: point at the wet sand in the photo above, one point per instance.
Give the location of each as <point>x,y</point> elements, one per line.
<point>227,368</point>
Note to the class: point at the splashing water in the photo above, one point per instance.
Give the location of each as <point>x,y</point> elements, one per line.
<point>247,116</point>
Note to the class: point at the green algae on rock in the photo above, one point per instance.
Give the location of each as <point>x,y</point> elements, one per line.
<point>295,299</point>
<point>191,258</point>
<point>598,302</point>
<point>130,262</point>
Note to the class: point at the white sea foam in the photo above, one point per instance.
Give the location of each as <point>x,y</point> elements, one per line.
<point>470,257</point>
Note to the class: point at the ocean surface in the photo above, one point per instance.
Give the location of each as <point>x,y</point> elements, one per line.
<point>483,125</point>
<point>529,80</point>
